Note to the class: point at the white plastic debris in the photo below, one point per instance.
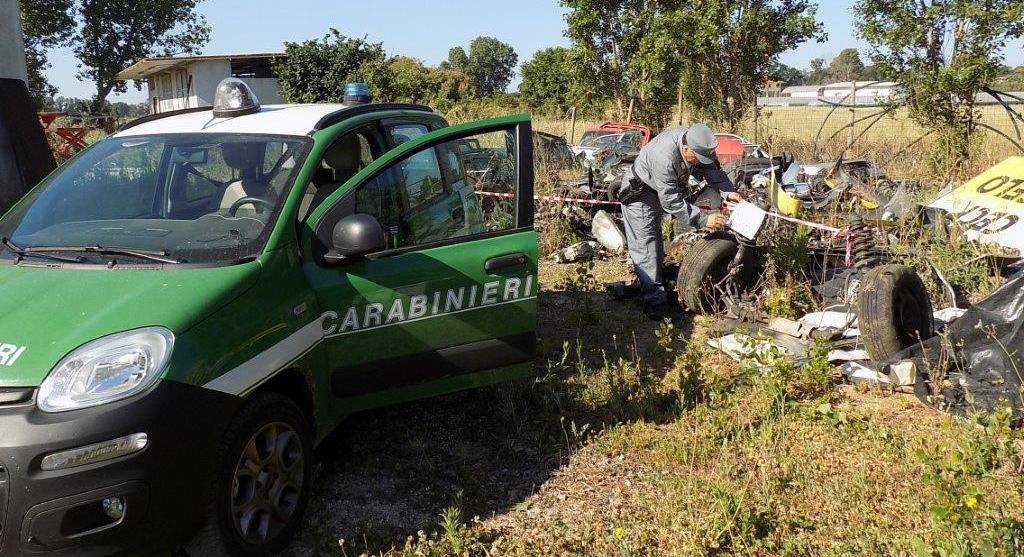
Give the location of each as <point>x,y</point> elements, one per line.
<point>859,373</point>
<point>789,327</point>
<point>830,319</point>
<point>949,315</point>
<point>858,355</point>
<point>607,232</point>
<point>741,347</point>
<point>582,251</point>
<point>903,373</point>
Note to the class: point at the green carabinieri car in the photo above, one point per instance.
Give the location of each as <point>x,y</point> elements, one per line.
<point>193,303</point>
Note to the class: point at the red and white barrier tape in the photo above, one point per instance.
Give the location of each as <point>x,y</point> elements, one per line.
<point>557,198</point>
<point>836,232</point>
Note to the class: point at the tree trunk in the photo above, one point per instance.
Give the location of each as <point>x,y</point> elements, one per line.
<point>102,91</point>
<point>679,104</point>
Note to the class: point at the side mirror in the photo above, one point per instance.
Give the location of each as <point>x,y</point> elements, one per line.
<point>355,236</point>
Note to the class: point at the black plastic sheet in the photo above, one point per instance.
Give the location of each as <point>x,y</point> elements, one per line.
<point>977,362</point>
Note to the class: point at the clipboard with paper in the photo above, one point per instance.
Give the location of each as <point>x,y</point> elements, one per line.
<point>746,219</point>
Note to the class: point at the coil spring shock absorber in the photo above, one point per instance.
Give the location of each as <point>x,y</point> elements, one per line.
<point>862,243</point>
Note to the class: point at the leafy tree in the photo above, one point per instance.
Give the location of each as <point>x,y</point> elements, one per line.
<point>457,59</point>
<point>1010,79</point>
<point>870,73</point>
<point>818,74</point>
<point>716,53</point>
<point>46,23</point>
<point>317,70</point>
<point>943,52</point>
<point>624,50</point>
<point>405,79</point>
<point>847,66</point>
<point>788,75</point>
<point>548,82</point>
<point>117,33</point>
<point>490,65</point>
<point>729,48</point>
<point>448,86</point>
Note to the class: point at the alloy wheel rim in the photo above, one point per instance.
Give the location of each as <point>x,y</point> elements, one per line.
<point>267,483</point>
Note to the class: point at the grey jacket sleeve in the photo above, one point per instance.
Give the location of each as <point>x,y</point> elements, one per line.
<point>716,178</point>
<point>664,182</point>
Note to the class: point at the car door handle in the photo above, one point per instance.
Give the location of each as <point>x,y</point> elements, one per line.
<point>504,262</point>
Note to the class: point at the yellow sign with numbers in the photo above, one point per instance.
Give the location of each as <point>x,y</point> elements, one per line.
<point>990,207</point>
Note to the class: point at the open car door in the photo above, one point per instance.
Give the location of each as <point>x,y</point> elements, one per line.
<point>447,300</point>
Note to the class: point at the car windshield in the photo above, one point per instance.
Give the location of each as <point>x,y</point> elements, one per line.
<point>196,198</point>
<point>597,138</point>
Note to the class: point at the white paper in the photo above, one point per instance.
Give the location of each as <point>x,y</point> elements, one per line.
<point>746,219</point>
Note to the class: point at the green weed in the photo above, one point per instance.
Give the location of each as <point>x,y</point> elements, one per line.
<point>963,524</point>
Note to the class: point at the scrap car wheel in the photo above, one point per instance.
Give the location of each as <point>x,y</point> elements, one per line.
<point>894,311</point>
<point>261,483</point>
<point>702,271</point>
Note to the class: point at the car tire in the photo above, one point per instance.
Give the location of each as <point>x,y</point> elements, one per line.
<point>705,264</point>
<point>894,311</point>
<point>266,450</point>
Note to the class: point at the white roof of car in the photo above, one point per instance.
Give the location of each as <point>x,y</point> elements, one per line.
<point>281,119</point>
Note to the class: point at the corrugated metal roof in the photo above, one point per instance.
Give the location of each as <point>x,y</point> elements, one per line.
<point>149,66</point>
<point>861,85</point>
<point>801,89</point>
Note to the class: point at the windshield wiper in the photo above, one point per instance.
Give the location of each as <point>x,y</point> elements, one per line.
<point>159,256</point>
<point>26,252</point>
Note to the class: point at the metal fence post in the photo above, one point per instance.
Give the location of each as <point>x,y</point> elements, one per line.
<point>853,116</point>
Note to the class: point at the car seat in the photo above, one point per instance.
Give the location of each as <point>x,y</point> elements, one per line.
<point>247,158</point>
<point>344,160</point>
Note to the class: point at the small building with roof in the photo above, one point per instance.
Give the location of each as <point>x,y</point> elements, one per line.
<point>179,82</point>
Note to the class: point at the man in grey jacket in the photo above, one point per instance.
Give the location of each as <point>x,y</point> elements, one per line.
<point>658,182</point>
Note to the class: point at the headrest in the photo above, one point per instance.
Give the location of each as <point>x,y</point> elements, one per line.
<point>244,155</point>
<point>323,176</point>
<point>344,155</point>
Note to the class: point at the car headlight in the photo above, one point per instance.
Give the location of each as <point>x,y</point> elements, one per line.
<point>107,369</point>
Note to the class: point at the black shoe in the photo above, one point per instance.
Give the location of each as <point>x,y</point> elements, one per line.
<point>660,312</point>
<point>622,291</point>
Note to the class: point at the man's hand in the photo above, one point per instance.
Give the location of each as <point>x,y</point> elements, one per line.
<point>734,197</point>
<point>716,221</point>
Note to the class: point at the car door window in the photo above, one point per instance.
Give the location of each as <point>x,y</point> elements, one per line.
<point>342,160</point>
<point>455,189</point>
<point>400,133</point>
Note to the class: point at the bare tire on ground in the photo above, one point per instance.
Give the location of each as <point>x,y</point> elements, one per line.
<point>894,311</point>
<point>261,483</point>
<point>704,267</point>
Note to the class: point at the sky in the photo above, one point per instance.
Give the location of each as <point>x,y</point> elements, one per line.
<point>422,29</point>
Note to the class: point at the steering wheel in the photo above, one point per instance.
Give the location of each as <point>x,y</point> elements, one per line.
<point>248,199</point>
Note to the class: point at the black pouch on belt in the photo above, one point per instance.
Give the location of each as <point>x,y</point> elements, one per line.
<point>633,190</point>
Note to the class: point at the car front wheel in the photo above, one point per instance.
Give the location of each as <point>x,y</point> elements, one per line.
<point>261,483</point>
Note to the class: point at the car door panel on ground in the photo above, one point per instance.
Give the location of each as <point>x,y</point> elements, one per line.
<point>454,293</point>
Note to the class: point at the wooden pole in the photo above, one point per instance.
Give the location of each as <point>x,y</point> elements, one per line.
<point>572,128</point>
<point>629,113</point>
<point>757,118</point>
